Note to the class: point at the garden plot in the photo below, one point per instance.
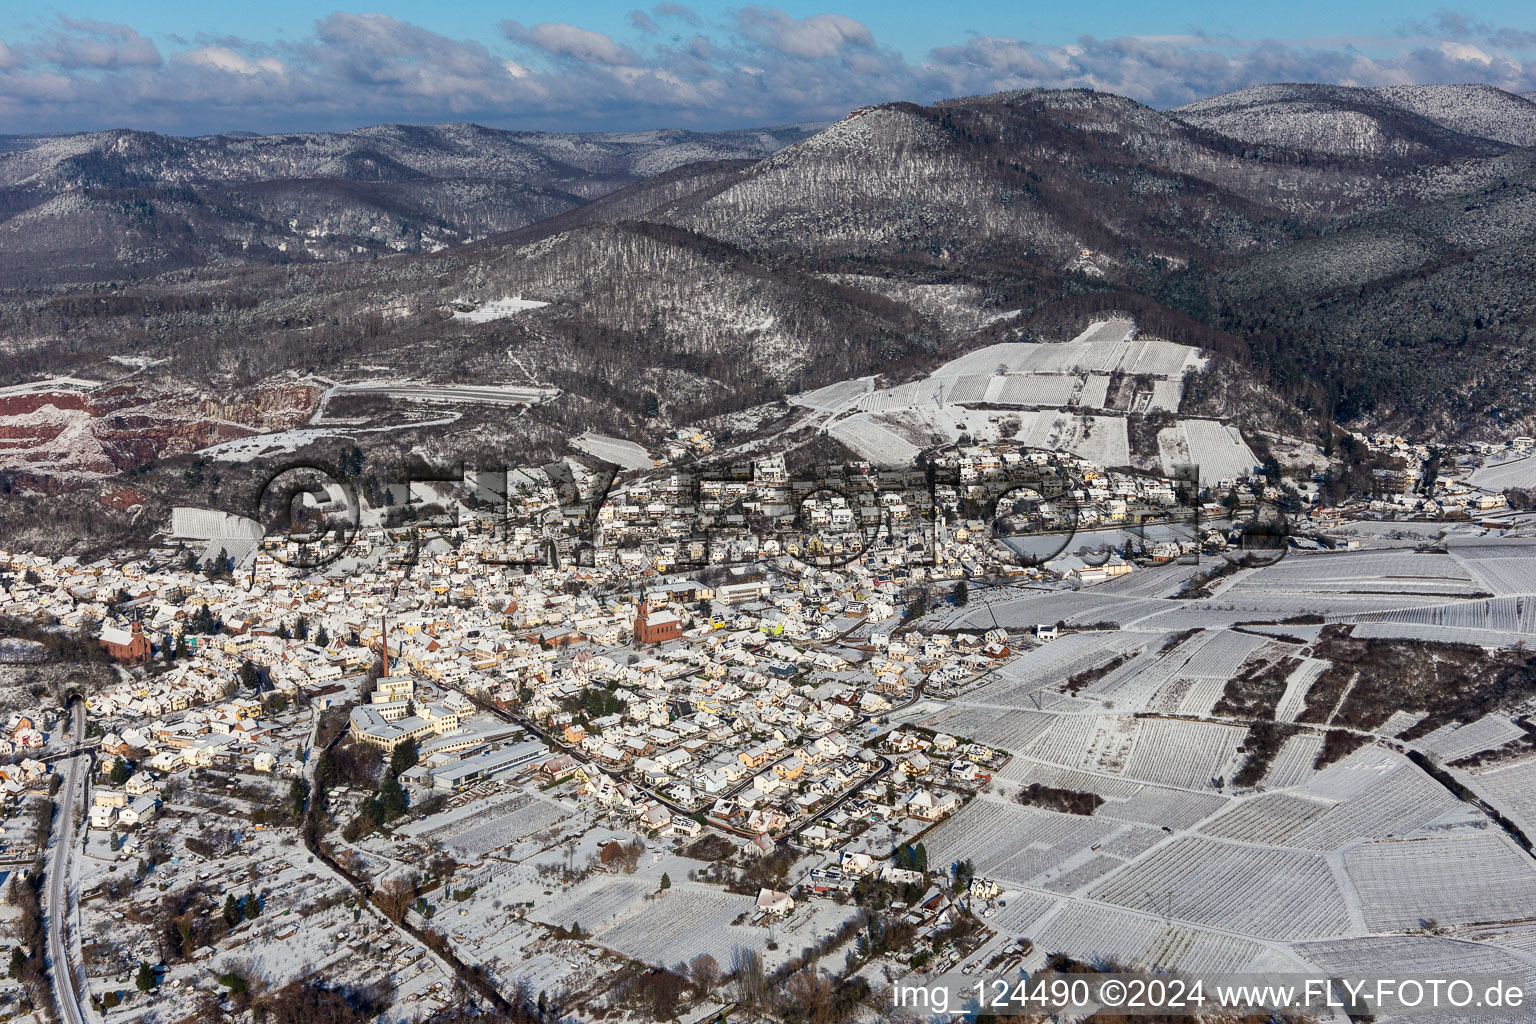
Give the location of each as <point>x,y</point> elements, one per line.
<point>276,959</point>
<point>1217,449</point>
<point>594,903</point>
<point>1283,894</point>
<point>508,824</point>
<point>875,442</point>
<point>1101,934</point>
<point>1395,805</point>
<point>1293,765</point>
<point>1512,790</point>
<point>1271,819</point>
<point>681,923</point>
<point>1034,839</point>
<point>1451,880</point>
<point>1485,733</point>
<point>1179,753</point>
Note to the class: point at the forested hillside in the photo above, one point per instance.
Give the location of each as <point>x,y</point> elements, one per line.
<point>1356,256</point>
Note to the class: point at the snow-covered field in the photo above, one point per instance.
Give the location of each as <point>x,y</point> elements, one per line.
<point>1451,880</point>
<point>1500,474</point>
<point>622,453</point>
<point>1264,892</point>
<point>1217,449</point>
<point>499,309</point>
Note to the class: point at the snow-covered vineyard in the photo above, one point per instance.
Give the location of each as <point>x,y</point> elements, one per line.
<point>1074,397</point>
<point>1340,849</point>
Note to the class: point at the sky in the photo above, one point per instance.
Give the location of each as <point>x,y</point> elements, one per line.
<point>188,68</point>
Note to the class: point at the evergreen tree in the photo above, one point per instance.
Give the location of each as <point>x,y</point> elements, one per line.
<point>962,594</point>
<point>18,961</point>
<point>322,638</point>
<point>145,979</point>
<point>249,677</point>
<point>666,880</point>
<point>181,647</point>
<point>297,794</point>
<point>119,773</point>
<point>252,906</point>
<point>403,757</point>
<point>392,801</point>
<point>231,910</point>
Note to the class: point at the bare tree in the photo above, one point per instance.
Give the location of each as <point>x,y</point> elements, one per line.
<point>751,979</point>
<point>394,898</point>
<point>810,993</point>
<point>705,970</point>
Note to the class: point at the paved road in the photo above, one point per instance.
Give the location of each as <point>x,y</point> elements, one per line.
<point>61,969</point>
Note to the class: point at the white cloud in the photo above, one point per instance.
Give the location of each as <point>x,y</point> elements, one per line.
<point>561,40</point>
<point>762,66</point>
<point>1465,51</point>
<point>223,59</point>
<point>818,36</point>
